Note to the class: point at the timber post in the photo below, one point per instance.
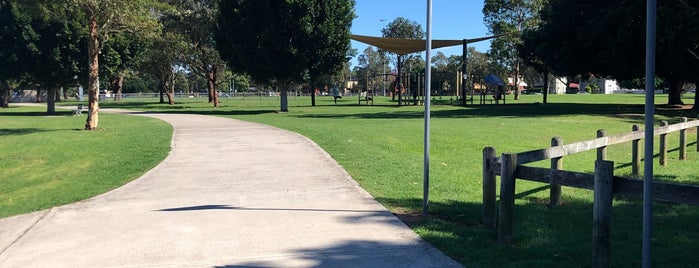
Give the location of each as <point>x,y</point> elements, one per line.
<point>556,164</point>
<point>507,198</point>
<point>663,145</point>
<point>602,214</point>
<point>683,140</point>
<point>635,153</point>
<point>601,151</point>
<point>489,190</point>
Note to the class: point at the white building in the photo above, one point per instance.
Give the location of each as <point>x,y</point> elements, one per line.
<point>604,85</point>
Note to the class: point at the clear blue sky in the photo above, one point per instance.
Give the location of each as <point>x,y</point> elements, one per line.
<point>451,19</point>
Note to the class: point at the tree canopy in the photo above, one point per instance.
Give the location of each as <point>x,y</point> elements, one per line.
<point>607,38</point>
<point>282,41</point>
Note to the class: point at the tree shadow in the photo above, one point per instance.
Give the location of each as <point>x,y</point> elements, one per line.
<point>559,236</point>
<point>359,253</point>
<point>24,131</point>
<point>631,112</point>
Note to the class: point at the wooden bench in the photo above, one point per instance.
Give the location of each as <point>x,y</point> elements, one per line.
<point>366,97</point>
<point>80,109</point>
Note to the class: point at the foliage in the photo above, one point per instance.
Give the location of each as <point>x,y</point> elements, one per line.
<point>121,54</point>
<point>282,41</point>
<point>14,34</point>
<point>510,18</point>
<point>605,40</point>
<point>195,22</point>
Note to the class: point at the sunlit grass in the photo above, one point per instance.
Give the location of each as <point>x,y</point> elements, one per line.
<point>381,147</point>
<point>49,161</point>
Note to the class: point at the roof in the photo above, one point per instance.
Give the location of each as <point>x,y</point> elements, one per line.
<point>403,46</point>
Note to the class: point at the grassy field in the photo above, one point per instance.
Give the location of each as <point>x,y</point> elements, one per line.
<point>381,147</point>
<point>48,161</point>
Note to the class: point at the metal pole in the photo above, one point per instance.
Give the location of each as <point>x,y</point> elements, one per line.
<point>651,11</point>
<point>428,78</point>
<point>464,73</point>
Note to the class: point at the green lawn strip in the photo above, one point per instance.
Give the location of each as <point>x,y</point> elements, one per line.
<point>49,161</point>
<point>381,147</point>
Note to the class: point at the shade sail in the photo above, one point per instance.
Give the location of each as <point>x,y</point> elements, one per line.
<point>402,46</point>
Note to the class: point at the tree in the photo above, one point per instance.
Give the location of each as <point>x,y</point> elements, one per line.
<point>280,41</point>
<point>13,49</point>
<point>327,37</point>
<point>401,28</point>
<point>122,53</point>
<point>30,39</point>
<point>510,16</point>
<point>101,19</point>
<point>609,38</point>
<point>195,21</point>
<point>58,47</point>
<point>161,60</point>
<point>370,70</point>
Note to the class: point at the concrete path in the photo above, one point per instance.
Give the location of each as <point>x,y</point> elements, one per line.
<point>230,194</point>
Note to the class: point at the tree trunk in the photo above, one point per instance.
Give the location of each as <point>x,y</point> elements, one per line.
<point>93,86</point>
<point>283,100</point>
<point>51,100</point>
<point>696,96</point>
<point>5,94</point>
<point>211,86</point>
<point>117,84</point>
<point>170,89</point>
<point>313,93</point>
<point>675,94</point>
<point>546,86</point>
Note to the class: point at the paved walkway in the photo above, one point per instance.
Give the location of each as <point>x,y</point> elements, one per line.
<point>230,194</point>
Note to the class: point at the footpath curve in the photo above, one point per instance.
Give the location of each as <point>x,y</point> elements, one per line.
<point>230,194</point>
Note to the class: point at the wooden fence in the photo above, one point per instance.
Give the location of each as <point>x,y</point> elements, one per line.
<point>510,166</point>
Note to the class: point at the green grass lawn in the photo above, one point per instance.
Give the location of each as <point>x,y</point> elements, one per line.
<point>48,161</point>
<point>381,147</point>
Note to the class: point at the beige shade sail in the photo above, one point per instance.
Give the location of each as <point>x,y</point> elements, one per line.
<point>402,46</point>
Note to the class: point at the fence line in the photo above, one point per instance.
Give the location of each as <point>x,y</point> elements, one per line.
<point>509,166</point>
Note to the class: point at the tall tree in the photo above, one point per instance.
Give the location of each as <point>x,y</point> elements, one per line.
<point>327,36</point>
<point>607,36</point>
<point>401,28</point>
<point>14,35</point>
<point>275,41</point>
<point>195,20</point>
<point>370,69</point>
<point>54,44</point>
<point>161,60</point>
<point>101,19</point>
<point>510,16</point>
<point>122,53</point>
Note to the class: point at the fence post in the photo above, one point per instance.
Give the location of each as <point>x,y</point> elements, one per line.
<point>697,135</point>
<point>489,191</point>
<point>602,214</point>
<point>601,151</point>
<point>663,145</point>
<point>556,164</point>
<point>683,140</point>
<point>635,153</point>
<point>507,198</point>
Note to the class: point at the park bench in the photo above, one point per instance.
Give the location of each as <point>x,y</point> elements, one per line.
<point>79,110</point>
<point>366,97</point>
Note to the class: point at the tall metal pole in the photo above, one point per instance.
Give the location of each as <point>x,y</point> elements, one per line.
<point>464,75</point>
<point>649,124</point>
<point>428,78</point>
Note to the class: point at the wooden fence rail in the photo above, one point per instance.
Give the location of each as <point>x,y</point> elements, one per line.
<point>509,166</point>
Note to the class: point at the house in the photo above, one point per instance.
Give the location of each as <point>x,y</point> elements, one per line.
<point>602,85</point>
